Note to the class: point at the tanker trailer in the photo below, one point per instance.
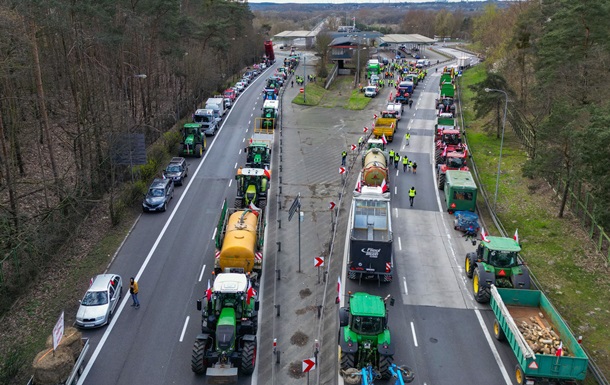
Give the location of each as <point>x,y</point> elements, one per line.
<point>374,167</point>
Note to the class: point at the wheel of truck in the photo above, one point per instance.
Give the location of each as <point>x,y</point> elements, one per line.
<point>481,293</point>
<point>248,357</point>
<point>198,150</point>
<point>348,360</point>
<point>198,361</point>
<point>384,366</point>
<point>441,181</point>
<point>438,157</point>
<point>468,265</point>
<point>239,203</point>
<point>498,332</point>
<point>519,375</point>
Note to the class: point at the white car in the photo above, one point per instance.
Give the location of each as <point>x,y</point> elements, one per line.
<point>240,86</point>
<point>100,301</point>
<point>370,91</point>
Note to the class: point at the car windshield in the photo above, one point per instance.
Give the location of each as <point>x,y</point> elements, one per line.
<point>367,325</point>
<point>95,298</point>
<point>155,192</point>
<point>174,168</point>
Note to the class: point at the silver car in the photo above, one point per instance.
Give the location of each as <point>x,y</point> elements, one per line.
<point>100,301</point>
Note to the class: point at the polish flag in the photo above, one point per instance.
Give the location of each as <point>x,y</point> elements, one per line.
<point>338,300</point>
<point>250,140</point>
<point>253,207</point>
<point>267,173</point>
<point>559,351</point>
<point>358,185</point>
<point>251,293</point>
<point>516,236</point>
<point>208,292</point>
<point>384,186</point>
<point>484,235</point>
<point>392,125</point>
<point>383,139</point>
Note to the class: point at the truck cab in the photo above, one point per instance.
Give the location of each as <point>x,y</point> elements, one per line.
<point>207,119</point>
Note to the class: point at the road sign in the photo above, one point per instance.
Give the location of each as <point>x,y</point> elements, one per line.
<point>58,331</point>
<point>341,170</point>
<point>301,90</point>
<point>309,364</point>
<point>353,147</point>
<point>318,261</point>
<point>296,205</point>
<point>533,365</point>
<point>331,205</point>
<point>365,129</point>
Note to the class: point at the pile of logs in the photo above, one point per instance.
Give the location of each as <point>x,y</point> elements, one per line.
<point>541,338</point>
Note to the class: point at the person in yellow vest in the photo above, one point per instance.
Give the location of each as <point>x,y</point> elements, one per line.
<point>412,194</point>
<point>391,155</point>
<point>396,160</point>
<point>407,138</point>
<point>405,163</point>
<point>410,167</point>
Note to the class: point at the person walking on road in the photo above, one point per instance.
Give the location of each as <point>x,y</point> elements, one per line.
<point>407,138</point>
<point>414,167</point>
<point>396,160</point>
<point>410,167</point>
<point>391,155</point>
<point>405,163</point>
<point>410,102</point>
<point>343,158</point>
<point>292,83</point>
<point>133,289</point>
<point>412,194</point>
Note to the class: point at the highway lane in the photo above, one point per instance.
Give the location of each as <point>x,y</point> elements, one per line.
<point>442,333</point>
<point>152,345</point>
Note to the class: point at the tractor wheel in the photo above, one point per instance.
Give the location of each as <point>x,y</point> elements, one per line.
<point>198,150</point>
<point>239,203</point>
<point>481,293</point>
<point>248,357</point>
<point>262,203</point>
<point>468,265</point>
<point>438,157</point>
<point>441,181</point>
<point>498,332</point>
<point>384,366</point>
<point>348,360</point>
<point>519,375</point>
<point>198,361</point>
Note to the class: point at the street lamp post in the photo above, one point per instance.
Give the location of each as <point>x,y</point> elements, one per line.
<point>501,140</point>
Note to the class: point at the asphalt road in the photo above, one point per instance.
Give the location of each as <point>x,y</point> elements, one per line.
<point>438,328</point>
<point>172,256</point>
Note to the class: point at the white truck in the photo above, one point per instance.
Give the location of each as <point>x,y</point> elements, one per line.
<point>463,63</point>
<point>391,107</point>
<point>216,104</point>
<point>208,120</point>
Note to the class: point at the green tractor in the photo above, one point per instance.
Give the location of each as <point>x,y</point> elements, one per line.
<point>364,336</point>
<point>227,343</point>
<point>270,114</point>
<point>252,187</point>
<point>193,140</point>
<point>496,262</point>
<point>258,154</point>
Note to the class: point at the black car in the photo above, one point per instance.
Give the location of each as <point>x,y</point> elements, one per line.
<point>160,192</point>
<point>177,170</point>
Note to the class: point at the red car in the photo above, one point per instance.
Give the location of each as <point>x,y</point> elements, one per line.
<point>230,94</point>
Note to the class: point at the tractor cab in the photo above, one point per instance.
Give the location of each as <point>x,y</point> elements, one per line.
<point>258,155</point>
<point>252,185</point>
<point>451,137</point>
<point>193,140</point>
<point>498,253</point>
<point>456,161</point>
<point>225,331</point>
<point>375,143</point>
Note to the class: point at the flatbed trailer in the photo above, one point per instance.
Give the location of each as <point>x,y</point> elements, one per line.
<point>515,306</point>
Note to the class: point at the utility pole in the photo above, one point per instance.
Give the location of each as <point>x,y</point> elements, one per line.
<point>304,80</point>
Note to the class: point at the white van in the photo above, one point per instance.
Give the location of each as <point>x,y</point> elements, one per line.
<point>391,107</point>
<point>216,104</point>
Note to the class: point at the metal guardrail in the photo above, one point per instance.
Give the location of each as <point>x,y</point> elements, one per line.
<point>593,367</point>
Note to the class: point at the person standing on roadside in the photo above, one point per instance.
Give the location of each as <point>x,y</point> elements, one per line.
<point>396,160</point>
<point>412,194</point>
<point>405,163</point>
<point>133,289</point>
<point>407,138</point>
<point>343,158</point>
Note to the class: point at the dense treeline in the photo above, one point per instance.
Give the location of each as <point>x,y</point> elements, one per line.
<point>74,77</point>
<point>552,58</point>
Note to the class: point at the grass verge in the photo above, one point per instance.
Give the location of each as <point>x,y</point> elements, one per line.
<point>558,251</point>
<point>312,95</point>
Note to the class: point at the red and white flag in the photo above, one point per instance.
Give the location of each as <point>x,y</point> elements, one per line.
<point>208,292</point>
<point>338,300</point>
<point>390,97</point>
<point>383,139</point>
<point>373,125</point>
<point>516,236</point>
<point>392,125</point>
<point>484,235</point>
<point>267,173</point>
<point>253,207</point>
<point>365,129</point>
<point>559,351</point>
<point>250,140</point>
<point>358,185</point>
<point>384,186</point>
<point>251,293</point>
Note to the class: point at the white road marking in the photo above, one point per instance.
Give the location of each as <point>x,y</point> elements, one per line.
<point>235,165</point>
<point>214,235</point>
<point>186,322</point>
<point>414,336</point>
<point>203,270</point>
<point>397,172</point>
<point>395,190</point>
<point>395,212</point>
<point>243,140</point>
<point>249,121</point>
<point>399,244</point>
<point>230,182</point>
<point>404,283</point>
<point>494,351</point>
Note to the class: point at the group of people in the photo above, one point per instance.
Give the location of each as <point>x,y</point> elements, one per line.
<point>407,164</point>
